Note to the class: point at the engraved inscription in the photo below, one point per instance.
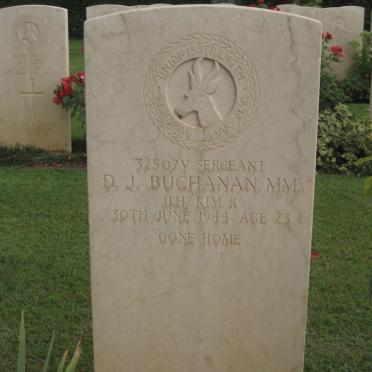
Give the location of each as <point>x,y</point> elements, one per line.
<point>27,62</point>
<point>205,238</point>
<point>230,195</point>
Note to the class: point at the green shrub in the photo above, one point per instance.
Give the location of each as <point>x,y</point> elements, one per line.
<point>342,140</point>
<point>358,82</point>
<point>331,92</point>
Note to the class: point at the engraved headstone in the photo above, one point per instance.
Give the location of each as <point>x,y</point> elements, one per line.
<point>305,11</point>
<point>201,148</point>
<point>345,24</point>
<point>33,59</point>
<point>104,9</point>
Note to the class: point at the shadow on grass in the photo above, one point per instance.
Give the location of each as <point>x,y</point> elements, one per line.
<point>28,156</point>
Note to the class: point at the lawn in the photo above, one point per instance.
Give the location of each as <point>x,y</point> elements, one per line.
<point>44,266</point>
<point>44,263</point>
<point>359,110</point>
<point>76,55</point>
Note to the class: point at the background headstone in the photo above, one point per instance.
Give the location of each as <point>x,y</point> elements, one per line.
<point>201,155</point>
<point>33,59</point>
<point>345,24</point>
<point>305,11</point>
<point>104,9</point>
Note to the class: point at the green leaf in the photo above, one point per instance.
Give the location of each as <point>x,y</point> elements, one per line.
<point>363,161</point>
<point>368,188</point>
<point>22,346</point>
<point>47,360</point>
<point>61,364</point>
<point>75,359</point>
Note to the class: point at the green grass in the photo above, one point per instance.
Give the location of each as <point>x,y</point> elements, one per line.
<point>359,110</point>
<point>44,266</point>
<point>76,55</point>
<point>340,301</point>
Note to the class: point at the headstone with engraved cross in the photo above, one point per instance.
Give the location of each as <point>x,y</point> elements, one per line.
<point>33,59</point>
<point>201,149</point>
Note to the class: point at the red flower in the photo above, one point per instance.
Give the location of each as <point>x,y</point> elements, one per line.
<point>314,254</point>
<point>57,100</point>
<point>68,79</point>
<point>79,78</point>
<point>261,2</point>
<point>336,50</point>
<point>66,87</point>
<point>327,35</point>
<point>81,75</point>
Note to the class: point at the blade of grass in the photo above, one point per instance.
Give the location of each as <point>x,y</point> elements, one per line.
<point>46,363</point>
<point>368,187</point>
<point>61,364</point>
<point>22,346</point>
<point>74,360</point>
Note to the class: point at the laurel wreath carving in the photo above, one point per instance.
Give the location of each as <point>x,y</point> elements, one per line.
<point>172,131</point>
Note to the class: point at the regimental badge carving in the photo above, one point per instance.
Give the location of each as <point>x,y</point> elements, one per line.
<point>28,31</point>
<point>199,98</point>
<point>201,91</point>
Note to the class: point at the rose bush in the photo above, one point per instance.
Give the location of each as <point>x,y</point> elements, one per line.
<point>331,92</point>
<point>70,95</point>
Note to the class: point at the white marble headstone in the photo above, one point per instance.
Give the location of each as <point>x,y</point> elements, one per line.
<point>305,11</point>
<point>104,9</point>
<point>345,24</point>
<point>201,154</point>
<point>33,59</point>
